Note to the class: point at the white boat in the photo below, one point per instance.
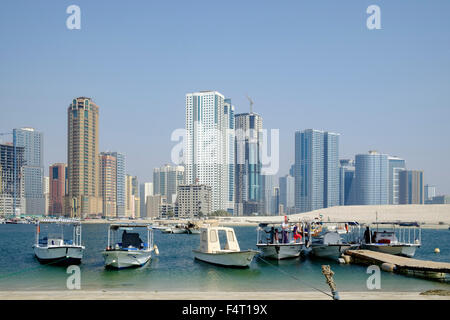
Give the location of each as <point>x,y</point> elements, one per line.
<point>401,239</point>
<point>272,248</point>
<point>53,248</point>
<point>230,255</point>
<point>131,251</point>
<point>330,243</point>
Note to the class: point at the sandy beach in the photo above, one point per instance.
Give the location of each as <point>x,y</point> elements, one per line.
<point>166,295</point>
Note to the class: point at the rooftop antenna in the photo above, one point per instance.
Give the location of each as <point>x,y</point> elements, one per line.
<point>251,103</point>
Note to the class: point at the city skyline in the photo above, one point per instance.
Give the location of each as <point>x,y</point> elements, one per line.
<point>370,114</point>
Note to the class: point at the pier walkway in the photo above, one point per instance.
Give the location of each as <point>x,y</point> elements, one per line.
<point>388,262</point>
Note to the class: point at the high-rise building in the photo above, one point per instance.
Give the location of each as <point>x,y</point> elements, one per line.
<point>12,184</point>
<point>58,189</point>
<point>316,170</point>
<point>132,199</point>
<point>287,193</point>
<point>248,136</point>
<point>153,205</point>
<point>137,198</point>
<point>347,178</point>
<point>166,180</point>
<point>209,147</point>
<point>33,142</point>
<point>371,184</point>
<point>145,190</point>
<point>395,166</point>
<point>129,197</point>
<point>269,199</point>
<point>46,189</point>
<point>411,190</point>
<point>108,184</point>
<point>193,201</point>
<point>429,192</point>
<point>83,161</point>
<point>120,184</point>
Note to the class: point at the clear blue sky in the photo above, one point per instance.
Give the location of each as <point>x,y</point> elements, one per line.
<point>306,64</point>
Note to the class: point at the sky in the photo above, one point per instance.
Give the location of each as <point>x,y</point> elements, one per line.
<point>306,64</point>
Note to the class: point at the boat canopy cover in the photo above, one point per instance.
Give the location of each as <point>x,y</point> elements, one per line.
<point>116,226</point>
<point>131,239</point>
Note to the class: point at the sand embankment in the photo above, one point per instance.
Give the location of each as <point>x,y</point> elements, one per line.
<point>436,216</point>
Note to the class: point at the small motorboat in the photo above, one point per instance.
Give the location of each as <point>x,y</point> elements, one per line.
<point>397,238</point>
<point>131,251</point>
<point>289,245</point>
<point>193,228</point>
<point>53,248</point>
<point>230,255</point>
<point>330,243</point>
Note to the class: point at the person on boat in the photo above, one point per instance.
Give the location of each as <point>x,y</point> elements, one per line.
<point>367,235</point>
<point>276,236</point>
<point>297,234</point>
<point>271,232</point>
<point>284,234</point>
<point>374,237</point>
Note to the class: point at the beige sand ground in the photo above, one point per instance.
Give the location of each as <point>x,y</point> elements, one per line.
<point>430,216</point>
<point>163,295</point>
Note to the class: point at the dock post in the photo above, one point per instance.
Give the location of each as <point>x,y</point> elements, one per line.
<point>328,273</point>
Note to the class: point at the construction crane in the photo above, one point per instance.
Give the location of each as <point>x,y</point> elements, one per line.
<point>251,103</point>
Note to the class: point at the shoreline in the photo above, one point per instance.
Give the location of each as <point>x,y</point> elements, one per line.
<point>189,295</point>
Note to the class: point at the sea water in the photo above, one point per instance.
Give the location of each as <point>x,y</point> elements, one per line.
<point>175,269</point>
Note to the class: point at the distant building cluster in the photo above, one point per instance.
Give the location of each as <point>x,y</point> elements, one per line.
<point>222,171</point>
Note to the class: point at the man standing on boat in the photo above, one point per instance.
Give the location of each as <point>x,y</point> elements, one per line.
<point>367,235</point>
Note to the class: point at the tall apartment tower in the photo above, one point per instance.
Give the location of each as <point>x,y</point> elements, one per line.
<point>316,170</point>
<point>12,184</point>
<point>166,180</point>
<point>83,161</point>
<point>209,146</point>
<point>371,179</point>
<point>347,178</point>
<point>108,184</point>
<point>395,166</point>
<point>411,188</point>
<point>58,189</point>
<point>33,143</point>
<point>247,180</point>
<point>287,193</point>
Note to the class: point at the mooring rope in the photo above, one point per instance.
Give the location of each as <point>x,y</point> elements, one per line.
<point>294,277</point>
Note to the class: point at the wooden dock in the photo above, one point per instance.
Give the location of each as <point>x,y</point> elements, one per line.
<point>387,262</point>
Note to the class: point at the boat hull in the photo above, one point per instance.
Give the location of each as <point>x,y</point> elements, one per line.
<point>59,254</point>
<point>119,259</point>
<point>178,230</point>
<point>281,251</point>
<point>239,259</point>
<point>333,251</point>
<point>398,250</point>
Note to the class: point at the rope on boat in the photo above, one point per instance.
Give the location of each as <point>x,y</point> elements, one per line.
<point>294,277</point>
<point>30,269</point>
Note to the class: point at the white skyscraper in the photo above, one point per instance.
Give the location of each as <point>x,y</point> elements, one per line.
<point>209,146</point>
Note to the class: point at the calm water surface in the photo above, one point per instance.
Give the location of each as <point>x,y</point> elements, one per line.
<point>176,270</point>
